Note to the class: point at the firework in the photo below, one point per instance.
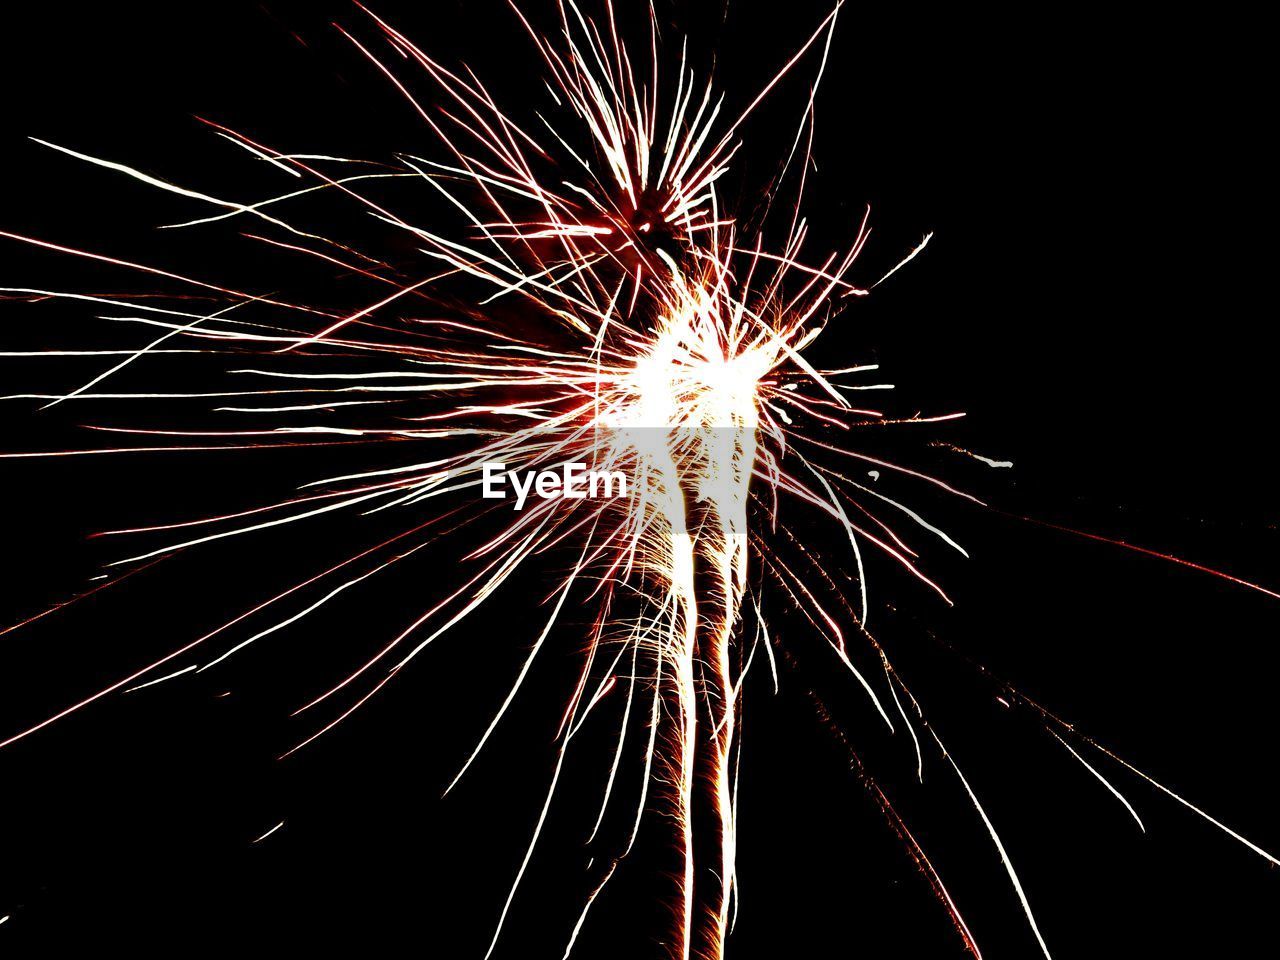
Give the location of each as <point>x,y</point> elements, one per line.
<point>660,340</point>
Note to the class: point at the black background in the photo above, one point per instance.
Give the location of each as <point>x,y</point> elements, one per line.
<point>1097,299</point>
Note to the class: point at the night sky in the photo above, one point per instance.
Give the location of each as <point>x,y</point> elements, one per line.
<point>1096,298</point>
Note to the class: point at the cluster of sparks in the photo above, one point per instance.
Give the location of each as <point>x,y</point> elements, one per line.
<point>670,345</point>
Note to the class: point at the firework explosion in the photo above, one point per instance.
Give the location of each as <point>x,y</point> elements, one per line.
<point>596,306</point>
